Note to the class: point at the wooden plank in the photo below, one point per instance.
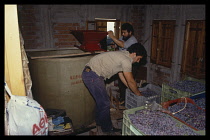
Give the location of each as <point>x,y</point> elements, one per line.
<point>201,49</point>
<point>6,75</point>
<point>117,29</point>
<point>50,49</point>
<point>65,55</point>
<point>154,46</point>
<point>185,48</point>
<point>159,42</point>
<point>13,62</point>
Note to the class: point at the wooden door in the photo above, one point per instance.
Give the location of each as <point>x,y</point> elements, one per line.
<point>117,29</point>
<point>162,42</point>
<point>193,58</point>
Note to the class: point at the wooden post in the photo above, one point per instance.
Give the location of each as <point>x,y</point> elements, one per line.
<point>13,63</point>
<point>186,42</point>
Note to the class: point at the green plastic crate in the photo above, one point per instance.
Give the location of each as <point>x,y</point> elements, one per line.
<point>167,104</point>
<point>194,79</point>
<point>169,93</point>
<point>129,129</point>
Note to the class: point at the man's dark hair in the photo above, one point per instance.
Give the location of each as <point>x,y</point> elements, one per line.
<point>139,49</point>
<point>128,27</point>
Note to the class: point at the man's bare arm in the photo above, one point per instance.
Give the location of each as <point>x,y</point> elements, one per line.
<point>131,83</point>
<point>122,78</point>
<point>117,41</point>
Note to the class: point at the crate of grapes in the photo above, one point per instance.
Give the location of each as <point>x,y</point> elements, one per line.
<point>187,111</point>
<point>150,93</point>
<point>141,121</point>
<point>200,100</point>
<point>184,88</point>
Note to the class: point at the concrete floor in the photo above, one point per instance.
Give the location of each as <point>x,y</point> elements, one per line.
<point>116,112</point>
<point>117,118</point>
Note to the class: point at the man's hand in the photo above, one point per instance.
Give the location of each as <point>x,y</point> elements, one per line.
<point>120,43</point>
<point>110,34</point>
<point>131,83</point>
<point>139,94</point>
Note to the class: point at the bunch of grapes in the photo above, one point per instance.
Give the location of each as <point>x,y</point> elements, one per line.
<point>201,102</point>
<point>188,86</point>
<point>158,123</point>
<point>192,115</point>
<point>148,92</point>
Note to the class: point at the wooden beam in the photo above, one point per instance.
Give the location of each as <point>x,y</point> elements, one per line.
<point>51,49</point>
<point>65,55</point>
<point>13,62</point>
<point>186,42</point>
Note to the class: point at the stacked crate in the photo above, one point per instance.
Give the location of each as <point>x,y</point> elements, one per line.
<point>169,96</point>
<point>131,128</point>
<point>170,92</point>
<point>200,100</point>
<point>187,111</point>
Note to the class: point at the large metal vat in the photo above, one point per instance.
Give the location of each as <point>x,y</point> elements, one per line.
<point>57,84</point>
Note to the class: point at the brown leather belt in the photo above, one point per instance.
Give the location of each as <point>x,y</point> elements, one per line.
<point>87,69</point>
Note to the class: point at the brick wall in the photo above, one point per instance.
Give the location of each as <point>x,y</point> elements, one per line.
<point>62,36</point>
<point>32,29</point>
<point>29,24</point>
<point>158,75</point>
<point>45,26</point>
<point>137,19</point>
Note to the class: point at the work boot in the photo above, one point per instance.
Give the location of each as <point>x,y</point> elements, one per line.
<point>112,131</point>
<point>116,129</point>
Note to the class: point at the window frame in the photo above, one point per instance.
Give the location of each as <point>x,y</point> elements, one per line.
<point>100,24</point>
